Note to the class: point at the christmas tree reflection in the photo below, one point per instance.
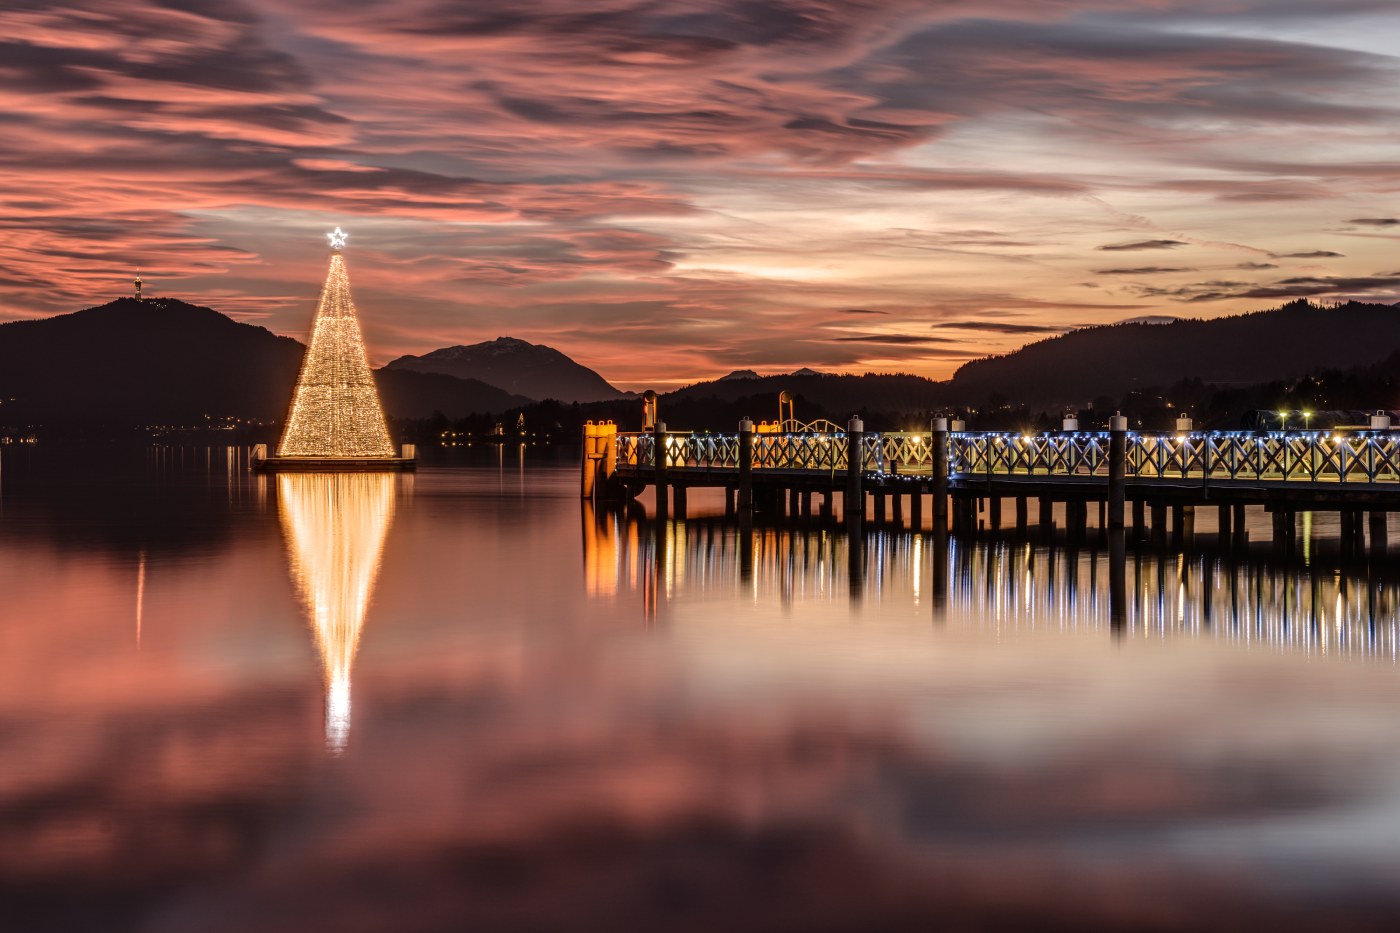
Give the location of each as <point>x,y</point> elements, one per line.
<point>335,525</point>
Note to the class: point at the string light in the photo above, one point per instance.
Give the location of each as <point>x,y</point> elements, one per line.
<point>335,409</point>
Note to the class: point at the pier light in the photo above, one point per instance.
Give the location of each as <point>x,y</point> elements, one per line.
<point>1181,438</point>
<point>1306,416</point>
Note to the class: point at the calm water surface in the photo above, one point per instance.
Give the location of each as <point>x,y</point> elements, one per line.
<point>458,700</point>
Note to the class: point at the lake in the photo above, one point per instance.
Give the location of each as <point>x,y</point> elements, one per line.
<point>462,699</point>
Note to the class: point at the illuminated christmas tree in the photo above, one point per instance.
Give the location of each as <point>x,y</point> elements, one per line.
<point>335,409</point>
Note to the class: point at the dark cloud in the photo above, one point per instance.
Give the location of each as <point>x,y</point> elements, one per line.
<point>862,311</point>
<point>1376,221</point>
<point>1294,287</point>
<point>1141,245</point>
<point>996,327</point>
<point>1141,270</point>
<point>1309,254</point>
<point>1256,266</point>
<point>1306,286</point>
<point>891,339</point>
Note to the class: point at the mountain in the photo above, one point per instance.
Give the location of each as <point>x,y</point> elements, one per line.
<point>152,362</point>
<point>409,394</point>
<point>532,370</point>
<point>163,361</point>
<point>1244,349</point>
<point>817,396</point>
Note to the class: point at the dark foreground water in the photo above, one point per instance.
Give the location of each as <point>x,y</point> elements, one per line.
<point>458,701</point>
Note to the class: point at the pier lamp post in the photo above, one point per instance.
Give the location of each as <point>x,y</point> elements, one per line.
<point>1306,415</point>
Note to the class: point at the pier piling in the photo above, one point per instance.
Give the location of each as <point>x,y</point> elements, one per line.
<point>1117,469</point>
<point>855,445</point>
<point>746,467</point>
<point>658,439</point>
<point>940,471</point>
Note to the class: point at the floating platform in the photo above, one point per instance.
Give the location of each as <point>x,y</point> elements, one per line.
<point>335,465</point>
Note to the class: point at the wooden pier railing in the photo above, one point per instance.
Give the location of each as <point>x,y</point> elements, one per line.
<point>1286,471</point>
<point>1369,457</point>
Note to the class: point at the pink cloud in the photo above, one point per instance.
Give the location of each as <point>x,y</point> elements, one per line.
<point>549,170</point>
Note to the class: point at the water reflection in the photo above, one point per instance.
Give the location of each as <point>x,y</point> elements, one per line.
<point>335,525</point>
<point>1009,586</point>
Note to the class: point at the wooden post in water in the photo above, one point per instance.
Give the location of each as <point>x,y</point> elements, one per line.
<point>1139,520</point>
<point>855,449</point>
<point>898,507</point>
<point>1117,469</point>
<point>1225,515</point>
<point>1022,516</point>
<point>680,499</point>
<point>658,441</point>
<point>939,466</point>
<point>994,513</point>
<point>965,514</point>
<point>1081,520</point>
<point>1283,531</point>
<point>609,478</point>
<point>1047,518</point>
<point>1379,535</point>
<point>1159,524</point>
<point>589,484</point>
<point>916,509</point>
<point>1117,583</point>
<point>745,468</point>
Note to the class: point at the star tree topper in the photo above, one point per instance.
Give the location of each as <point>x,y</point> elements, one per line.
<point>338,238</point>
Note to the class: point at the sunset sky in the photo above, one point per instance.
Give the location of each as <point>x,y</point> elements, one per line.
<point>670,190</point>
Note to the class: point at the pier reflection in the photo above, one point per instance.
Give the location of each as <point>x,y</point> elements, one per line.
<point>335,525</point>
<point>1010,586</point>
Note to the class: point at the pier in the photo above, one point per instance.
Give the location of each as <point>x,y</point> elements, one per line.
<point>1150,484</point>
